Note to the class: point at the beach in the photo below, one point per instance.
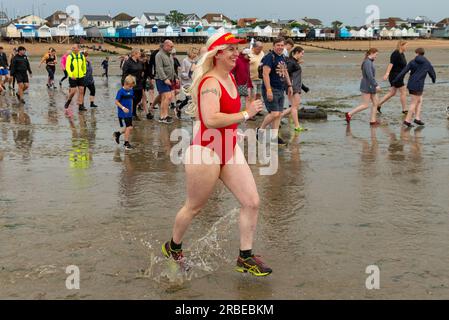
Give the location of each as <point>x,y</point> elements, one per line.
<point>39,49</point>
<point>343,198</point>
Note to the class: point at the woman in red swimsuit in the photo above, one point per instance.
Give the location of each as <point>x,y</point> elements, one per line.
<point>216,104</point>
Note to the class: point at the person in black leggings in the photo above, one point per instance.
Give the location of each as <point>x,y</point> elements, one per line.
<point>50,61</point>
<point>89,82</point>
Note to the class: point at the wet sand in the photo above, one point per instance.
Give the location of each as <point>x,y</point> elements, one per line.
<point>343,198</point>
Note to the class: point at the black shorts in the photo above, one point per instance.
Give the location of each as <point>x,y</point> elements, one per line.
<point>415,93</point>
<point>398,84</point>
<point>21,77</point>
<point>76,83</point>
<point>128,122</point>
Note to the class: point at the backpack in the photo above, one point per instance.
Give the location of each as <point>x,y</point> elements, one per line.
<point>260,67</point>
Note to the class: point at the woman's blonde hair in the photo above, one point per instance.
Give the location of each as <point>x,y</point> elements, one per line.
<point>205,64</point>
<point>401,43</point>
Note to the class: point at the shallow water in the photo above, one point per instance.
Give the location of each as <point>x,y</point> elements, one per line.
<point>343,198</point>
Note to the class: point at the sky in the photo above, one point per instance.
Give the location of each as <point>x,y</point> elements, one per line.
<point>350,12</point>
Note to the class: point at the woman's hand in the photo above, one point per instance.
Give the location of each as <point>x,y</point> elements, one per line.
<point>254,108</point>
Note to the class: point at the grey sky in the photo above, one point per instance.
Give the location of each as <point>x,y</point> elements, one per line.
<point>349,11</point>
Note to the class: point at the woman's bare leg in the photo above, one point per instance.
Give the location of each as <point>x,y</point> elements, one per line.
<point>239,179</point>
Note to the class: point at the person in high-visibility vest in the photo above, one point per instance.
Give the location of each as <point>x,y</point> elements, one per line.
<point>76,69</point>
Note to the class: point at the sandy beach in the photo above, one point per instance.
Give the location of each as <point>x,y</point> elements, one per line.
<point>38,49</point>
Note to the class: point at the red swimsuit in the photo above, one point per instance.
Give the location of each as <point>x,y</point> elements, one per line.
<point>221,140</point>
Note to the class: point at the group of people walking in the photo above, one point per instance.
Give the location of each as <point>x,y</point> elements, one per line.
<point>222,87</point>
<point>419,68</point>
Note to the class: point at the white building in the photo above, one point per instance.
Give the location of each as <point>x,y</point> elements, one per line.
<point>100,21</point>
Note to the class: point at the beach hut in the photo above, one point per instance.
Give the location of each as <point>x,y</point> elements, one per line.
<point>397,33</point>
<point>109,32</point>
<point>384,33</point>
<point>362,33</point>
<point>328,33</point>
<point>210,31</point>
<point>60,31</point>
<point>412,33</point>
<point>77,30</point>
<point>125,32</point>
<point>404,33</point>
<point>354,33</point>
<point>93,33</point>
<point>311,34</point>
<point>44,32</point>
<point>344,33</point>
<point>28,31</point>
<point>370,32</point>
<point>441,32</point>
<point>267,31</point>
<point>257,30</point>
<point>10,31</point>
<point>170,31</point>
<point>137,30</point>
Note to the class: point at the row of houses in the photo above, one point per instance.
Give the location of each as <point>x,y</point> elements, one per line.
<point>60,27</point>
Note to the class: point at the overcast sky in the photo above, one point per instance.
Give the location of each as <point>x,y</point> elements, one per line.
<point>351,12</point>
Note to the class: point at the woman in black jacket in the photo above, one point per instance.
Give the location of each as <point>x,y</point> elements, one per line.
<point>295,72</point>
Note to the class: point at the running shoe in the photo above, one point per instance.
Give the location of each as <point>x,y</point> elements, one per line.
<point>300,129</point>
<point>279,141</point>
<point>149,116</point>
<point>348,117</point>
<point>375,123</point>
<point>253,265</point>
<point>93,105</point>
<point>166,120</point>
<point>67,104</point>
<point>419,122</point>
<point>139,107</point>
<point>81,108</point>
<point>379,109</point>
<point>178,113</point>
<point>116,136</point>
<point>177,255</point>
<point>128,146</point>
<point>408,124</point>
<point>405,112</point>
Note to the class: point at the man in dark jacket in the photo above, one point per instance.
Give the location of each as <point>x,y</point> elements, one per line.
<point>419,68</point>
<point>20,67</point>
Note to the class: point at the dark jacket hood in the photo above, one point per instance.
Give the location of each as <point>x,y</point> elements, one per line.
<point>420,59</point>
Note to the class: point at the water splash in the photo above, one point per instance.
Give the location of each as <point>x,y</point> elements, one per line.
<point>205,255</point>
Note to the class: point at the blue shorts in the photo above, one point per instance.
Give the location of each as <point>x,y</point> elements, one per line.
<point>4,72</point>
<point>162,87</point>
<point>277,105</point>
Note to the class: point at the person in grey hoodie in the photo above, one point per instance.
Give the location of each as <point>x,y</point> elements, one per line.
<point>89,82</point>
<point>368,87</point>
<point>419,68</point>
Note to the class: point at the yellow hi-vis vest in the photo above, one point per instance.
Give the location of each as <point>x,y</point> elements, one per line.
<point>76,66</point>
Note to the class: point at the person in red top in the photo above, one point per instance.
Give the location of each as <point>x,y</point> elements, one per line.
<point>214,154</point>
<point>243,77</point>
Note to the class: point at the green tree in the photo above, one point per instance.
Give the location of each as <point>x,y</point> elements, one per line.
<point>175,17</point>
<point>336,24</point>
